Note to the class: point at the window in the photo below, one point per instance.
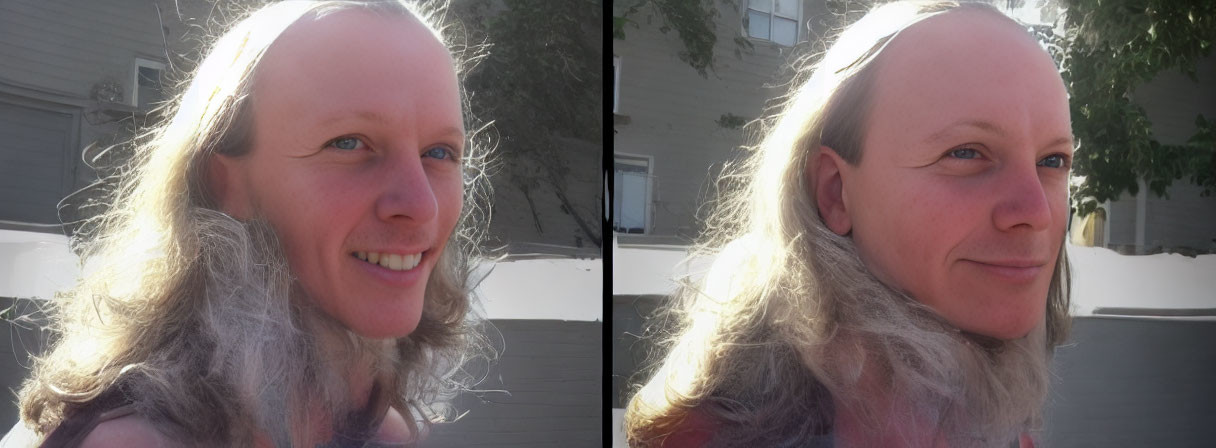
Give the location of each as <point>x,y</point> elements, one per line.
<point>774,20</point>
<point>631,201</point>
<point>148,88</point>
<point>616,82</point>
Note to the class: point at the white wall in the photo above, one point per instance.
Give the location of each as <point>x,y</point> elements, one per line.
<point>35,265</point>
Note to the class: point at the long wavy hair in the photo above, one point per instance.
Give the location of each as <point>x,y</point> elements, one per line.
<point>788,317</point>
<point>195,318</point>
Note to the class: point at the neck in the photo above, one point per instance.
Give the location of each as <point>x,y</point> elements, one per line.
<point>368,405</point>
<point>891,427</point>
<point>881,418</point>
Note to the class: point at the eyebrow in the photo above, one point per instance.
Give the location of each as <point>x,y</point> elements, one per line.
<point>990,128</point>
<point>367,115</point>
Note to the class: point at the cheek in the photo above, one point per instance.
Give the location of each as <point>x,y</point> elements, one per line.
<point>309,221</point>
<point>908,227</point>
<point>449,198</point>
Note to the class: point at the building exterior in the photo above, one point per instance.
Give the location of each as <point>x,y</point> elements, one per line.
<point>673,128</point>
<point>669,141</point>
<point>75,73</point>
<point>1184,221</point>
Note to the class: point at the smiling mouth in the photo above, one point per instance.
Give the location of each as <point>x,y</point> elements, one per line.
<point>394,262</point>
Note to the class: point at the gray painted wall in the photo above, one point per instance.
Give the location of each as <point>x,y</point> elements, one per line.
<point>667,111</point>
<point>552,369</point>
<point>554,372</point>
<point>1134,383</point>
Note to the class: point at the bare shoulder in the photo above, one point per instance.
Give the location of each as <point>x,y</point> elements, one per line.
<point>131,431</point>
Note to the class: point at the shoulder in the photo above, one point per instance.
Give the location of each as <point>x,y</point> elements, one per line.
<point>131,431</point>
<point>394,429</point>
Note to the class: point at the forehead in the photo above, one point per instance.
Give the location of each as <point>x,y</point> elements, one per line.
<point>357,60</point>
<point>967,65</point>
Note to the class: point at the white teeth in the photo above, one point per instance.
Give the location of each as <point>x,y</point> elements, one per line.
<point>396,262</point>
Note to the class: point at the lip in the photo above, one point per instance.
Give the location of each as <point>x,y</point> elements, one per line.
<point>390,277</point>
<point>1016,271</point>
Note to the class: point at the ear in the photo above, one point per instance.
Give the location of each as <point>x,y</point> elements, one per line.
<point>826,171</point>
<point>227,187</point>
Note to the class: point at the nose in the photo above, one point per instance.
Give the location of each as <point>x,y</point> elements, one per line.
<point>1022,202</point>
<point>405,192</point>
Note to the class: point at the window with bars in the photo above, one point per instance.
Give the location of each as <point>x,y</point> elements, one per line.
<point>774,20</point>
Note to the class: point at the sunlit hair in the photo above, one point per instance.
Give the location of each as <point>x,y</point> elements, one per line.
<point>193,316</point>
<point>780,330</point>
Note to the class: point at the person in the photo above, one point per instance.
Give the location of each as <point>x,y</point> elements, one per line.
<point>890,265</point>
<point>287,259</point>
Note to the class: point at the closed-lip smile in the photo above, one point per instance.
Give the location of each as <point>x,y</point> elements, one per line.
<point>1017,271</point>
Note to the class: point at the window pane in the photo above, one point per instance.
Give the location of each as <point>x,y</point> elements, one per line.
<point>757,24</point>
<point>633,202</point>
<point>785,31</point>
<point>760,5</point>
<point>787,9</point>
<point>149,77</point>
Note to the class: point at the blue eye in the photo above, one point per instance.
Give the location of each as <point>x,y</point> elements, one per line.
<point>964,153</point>
<point>1053,161</point>
<point>345,143</point>
<point>439,152</point>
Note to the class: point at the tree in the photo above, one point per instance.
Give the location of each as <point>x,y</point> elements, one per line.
<point>1109,48</point>
<point>540,83</point>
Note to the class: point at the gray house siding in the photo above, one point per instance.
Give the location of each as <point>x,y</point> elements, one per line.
<point>667,111</point>
<point>1185,219</point>
<point>55,52</point>
<point>67,46</point>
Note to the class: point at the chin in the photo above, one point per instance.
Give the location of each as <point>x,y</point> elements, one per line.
<point>394,320</point>
<point>1008,328</point>
<point>384,330</point>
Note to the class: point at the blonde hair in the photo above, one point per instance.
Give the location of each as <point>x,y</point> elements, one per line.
<point>185,310</point>
<point>789,315</point>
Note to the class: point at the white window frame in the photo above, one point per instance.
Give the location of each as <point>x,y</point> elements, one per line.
<point>143,63</point>
<point>772,7</point>
<point>647,200</point>
<point>616,83</point>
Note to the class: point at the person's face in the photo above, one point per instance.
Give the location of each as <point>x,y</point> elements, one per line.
<point>961,196</point>
<point>356,163</point>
